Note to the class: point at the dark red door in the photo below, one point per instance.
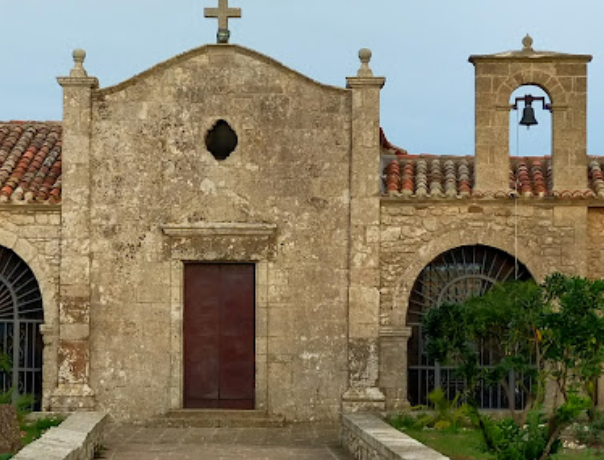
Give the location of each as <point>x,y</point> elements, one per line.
<point>219,336</point>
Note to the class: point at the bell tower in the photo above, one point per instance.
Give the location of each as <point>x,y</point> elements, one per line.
<point>564,78</point>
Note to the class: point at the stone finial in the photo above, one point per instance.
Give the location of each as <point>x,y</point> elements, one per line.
<point>527,44</point>
<point>78,70</point>
<point>365,57</point>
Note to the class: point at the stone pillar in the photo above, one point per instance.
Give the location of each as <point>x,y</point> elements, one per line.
<point>364,289</point>
<point>393,366</point>
<point>492,167</point>
<point>73,390</point>
<point>569,123</point>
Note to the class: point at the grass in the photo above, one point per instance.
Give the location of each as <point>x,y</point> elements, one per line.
<point>465,445</point>
<point>30,431</point>
<point>460,445</point>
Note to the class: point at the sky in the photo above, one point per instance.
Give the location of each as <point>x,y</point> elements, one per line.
<point>420,46</point>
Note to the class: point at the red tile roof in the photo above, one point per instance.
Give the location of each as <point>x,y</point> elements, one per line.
<point>30,162</point>
<point>439,176</point>
<point>30,170</point>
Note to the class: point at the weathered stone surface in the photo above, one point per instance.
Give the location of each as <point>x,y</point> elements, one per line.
<point>290,170</point>
<point>77,438</point>
<point>10,435</point>
<point>563,77</point>
<point>367,437</point>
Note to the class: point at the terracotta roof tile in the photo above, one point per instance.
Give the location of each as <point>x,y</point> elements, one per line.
<point>30,162</point>
<point>440,176</point>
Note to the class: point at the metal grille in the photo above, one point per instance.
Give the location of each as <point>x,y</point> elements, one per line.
<point>456,275</point>
<point>21,314</point>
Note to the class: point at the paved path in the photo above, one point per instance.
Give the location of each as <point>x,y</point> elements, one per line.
<point>293,442</point>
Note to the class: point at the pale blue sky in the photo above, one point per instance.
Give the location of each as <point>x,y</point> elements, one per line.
<point>420,46</point>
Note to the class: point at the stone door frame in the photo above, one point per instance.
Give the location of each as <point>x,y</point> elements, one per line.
<point>218,243</point>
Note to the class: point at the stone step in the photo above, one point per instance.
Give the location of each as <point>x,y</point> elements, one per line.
<point>213,418</point>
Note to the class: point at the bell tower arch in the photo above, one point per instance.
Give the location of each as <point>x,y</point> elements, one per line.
<point>564,78</point>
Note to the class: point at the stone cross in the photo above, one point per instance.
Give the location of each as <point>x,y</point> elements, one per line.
<point>223,13</point>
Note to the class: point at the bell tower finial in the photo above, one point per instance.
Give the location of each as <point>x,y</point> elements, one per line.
<point>527,44</point>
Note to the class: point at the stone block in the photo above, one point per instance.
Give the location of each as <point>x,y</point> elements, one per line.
<point>10,435</point>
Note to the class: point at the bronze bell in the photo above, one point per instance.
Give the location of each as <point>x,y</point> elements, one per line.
<point>528,116</point>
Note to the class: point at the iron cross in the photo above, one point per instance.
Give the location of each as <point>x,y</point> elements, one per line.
<point>223,13</point>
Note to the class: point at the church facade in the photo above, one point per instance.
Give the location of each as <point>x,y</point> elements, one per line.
<point>223,232</point>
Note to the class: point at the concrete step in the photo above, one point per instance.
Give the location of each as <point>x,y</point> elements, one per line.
<point>213,418</point>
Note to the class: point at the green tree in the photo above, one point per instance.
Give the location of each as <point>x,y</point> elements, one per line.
<point>552,332</point>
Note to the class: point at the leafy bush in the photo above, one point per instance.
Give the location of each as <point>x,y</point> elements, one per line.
<point>506,440</point>
<point>552,332</point>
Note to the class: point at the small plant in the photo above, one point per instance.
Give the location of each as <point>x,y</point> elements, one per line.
<point>30,431</point>
<point>449,414</point>
<point>24,402</point>
<point>403,421</point>
<point>441,414</point>
<point>590,434</point>
<point>5,363</point>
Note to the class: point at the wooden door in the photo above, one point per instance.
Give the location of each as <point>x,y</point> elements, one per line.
<point>219,336</point>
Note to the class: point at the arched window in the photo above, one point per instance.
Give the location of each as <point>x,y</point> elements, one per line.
<point>21,314</point>
<point>454,276</point>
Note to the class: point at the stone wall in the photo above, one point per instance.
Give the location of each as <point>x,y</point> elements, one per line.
<point>368,437</point>
<point>33,232</point>
<point>595,231</point>
<point>80,437</point>
<point>156,191</point>
<point>545,237</point>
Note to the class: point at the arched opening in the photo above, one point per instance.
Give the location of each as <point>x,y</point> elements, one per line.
<point>534,140</point>
<point>530,141</point>
<point>21,314</point>
<point>454,276</point>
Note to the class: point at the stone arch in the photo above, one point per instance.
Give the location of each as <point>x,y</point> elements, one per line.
<point>30,256</point>
<point>444,242</point>
<point>453,276</point>
<point>547,82</point>
<point>49,329</point>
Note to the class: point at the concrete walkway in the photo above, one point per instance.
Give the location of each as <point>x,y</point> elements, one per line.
<point>293,442</point>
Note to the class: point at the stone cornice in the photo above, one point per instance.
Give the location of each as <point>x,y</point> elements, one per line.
<point>215,49</point>
<point>29,207</point>
<point>518,56</point>
<point>461,201</point>
<point>86,82</point>
<point>360,82</point>
<point>219,229</point>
